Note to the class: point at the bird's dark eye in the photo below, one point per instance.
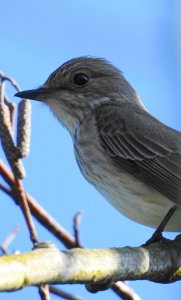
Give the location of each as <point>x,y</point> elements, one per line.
<point>81,79</point>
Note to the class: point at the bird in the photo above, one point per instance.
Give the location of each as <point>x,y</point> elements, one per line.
<point>128,155</point>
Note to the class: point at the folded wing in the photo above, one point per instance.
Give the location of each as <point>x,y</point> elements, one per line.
<point>143,146</point>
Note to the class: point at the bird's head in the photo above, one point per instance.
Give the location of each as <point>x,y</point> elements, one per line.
<point>78,86</point>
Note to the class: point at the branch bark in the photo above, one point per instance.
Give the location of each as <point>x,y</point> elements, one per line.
<point>99,269</point>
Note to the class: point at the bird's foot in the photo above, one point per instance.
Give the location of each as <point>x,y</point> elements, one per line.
<point>157,235</point>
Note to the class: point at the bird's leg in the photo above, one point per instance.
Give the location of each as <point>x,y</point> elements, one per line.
<point>157,235</point>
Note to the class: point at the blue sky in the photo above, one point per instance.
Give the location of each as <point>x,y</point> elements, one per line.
<point>139,37</point>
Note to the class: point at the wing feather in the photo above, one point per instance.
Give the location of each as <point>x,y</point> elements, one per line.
<point>142,145</point>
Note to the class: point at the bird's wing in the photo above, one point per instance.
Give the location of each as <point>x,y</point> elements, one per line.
<point>143,146</point>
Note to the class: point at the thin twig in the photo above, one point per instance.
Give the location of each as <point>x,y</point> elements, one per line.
<point>62,294</point>
<point>76,222</point>
<point>38,212</point>
<point>4,246</point>
<point>5,190</point>
<point>26,211</point>
<point>124,291</point>
<point>44,292</point>
<point>11,80</point>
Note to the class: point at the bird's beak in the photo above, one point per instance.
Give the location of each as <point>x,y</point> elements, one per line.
<point>40,94</point>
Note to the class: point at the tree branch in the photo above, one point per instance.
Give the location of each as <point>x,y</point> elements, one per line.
<point>98,269</point>
<point>36,209</point>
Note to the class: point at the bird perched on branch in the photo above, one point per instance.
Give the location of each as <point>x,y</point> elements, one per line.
<point>131,158</point>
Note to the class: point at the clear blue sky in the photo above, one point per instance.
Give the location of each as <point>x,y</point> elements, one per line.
<point>139,37</point>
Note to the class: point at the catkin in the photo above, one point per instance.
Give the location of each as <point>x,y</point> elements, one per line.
<point>7,142</point>
<point>24,127</point>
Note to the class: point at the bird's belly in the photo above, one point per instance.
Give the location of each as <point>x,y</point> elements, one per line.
<point>126,193</point>
<point>135,200</point>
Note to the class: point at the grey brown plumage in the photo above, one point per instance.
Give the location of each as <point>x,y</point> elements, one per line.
<point>132,158</point>
<point>150,153</point>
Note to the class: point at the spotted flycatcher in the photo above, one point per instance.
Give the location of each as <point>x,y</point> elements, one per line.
<point>131,158</point>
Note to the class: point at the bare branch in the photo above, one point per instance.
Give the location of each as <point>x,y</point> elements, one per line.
<point>38,212</point>
<point>76,222</point>
<point>26,211</point>
<point>123,290</point>
<point>98,269</point>
<point>63,294</point>
<point>44,292</point>
<point>11,80</point>
<point>4,246</point>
